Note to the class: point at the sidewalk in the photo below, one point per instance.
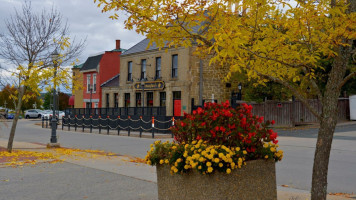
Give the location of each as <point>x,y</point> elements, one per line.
<point>125,165</point>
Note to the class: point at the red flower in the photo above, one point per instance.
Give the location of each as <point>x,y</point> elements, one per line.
<point>198,137</point>
<point>182,124</point>
<point>203,124</point>
<point>260,119</point>
<point>272,122</point>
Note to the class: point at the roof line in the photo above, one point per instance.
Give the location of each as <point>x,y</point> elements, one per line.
<point>110,79</point>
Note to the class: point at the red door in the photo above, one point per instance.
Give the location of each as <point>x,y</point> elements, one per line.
<point>177,107</point>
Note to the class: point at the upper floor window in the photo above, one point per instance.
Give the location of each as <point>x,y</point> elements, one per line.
<point>158,67</point>
<point>88,83</point>
<point>94,82</point>
<point>129,71</point>
<point>143,69</point>
<point>175,65</point>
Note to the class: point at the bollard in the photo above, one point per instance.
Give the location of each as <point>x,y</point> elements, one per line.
<point>42,122</point>
<point>118,125</point>
<point>172,125</point>
<point>107,125</point>
<point>91,124</point>
<point>141,127</point>
<point>83,124</point>
<point>99,124</point>
<point>128,132</point>
<point>46,123</point>
<point>75,123</point>
<point>153,127</point>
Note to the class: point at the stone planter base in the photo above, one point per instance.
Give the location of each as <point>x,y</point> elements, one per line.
<point>256,180</point>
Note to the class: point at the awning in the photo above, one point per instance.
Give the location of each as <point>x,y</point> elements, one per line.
<point>71,101</point>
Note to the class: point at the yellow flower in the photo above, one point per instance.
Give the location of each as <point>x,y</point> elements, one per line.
<point>185,154</point>
<point>179,160</point>
<point>161,162</point>
<point>199,167</point>
<point>273,149</point>
<point>233,165</point>
<point>208,164</point>
<point>221,155</point>
<point>194,142</point>
<point>221,165</point>
<point>228,170</point>
<point>266,156</point>
<point>192,149</point>
<point>157,142</point>
<point>237,148</point>
<point>175,170</point>
<point>216,160</point>
<point>210,169</point>
<point>149,162</point>
<point>166,161</point>
<point>186,166</point>
<point>201,159</point>
<point>151,145</point>
<point>265,145</point>
<point>244,152</point>
<point>174,147</point>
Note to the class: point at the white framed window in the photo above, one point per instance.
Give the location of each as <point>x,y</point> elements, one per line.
<point>88,83</point>
<point>96,105</point>
<point>94,82</point>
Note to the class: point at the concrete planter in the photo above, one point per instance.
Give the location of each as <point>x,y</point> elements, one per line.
<point>256,180</point>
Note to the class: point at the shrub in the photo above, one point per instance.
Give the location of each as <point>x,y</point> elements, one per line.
<point>216,137</point>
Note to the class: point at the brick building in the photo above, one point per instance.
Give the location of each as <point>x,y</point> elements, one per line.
<point>173,78</point>
<point>97,70</point>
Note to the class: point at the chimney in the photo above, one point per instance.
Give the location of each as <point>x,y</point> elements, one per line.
<point>117,44</point>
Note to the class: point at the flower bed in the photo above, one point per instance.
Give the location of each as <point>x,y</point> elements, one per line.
<point>217,138</point>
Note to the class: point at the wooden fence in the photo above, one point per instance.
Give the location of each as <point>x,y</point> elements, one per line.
<point>293,113</point>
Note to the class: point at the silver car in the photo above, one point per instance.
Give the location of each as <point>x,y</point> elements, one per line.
<point>33,114</point>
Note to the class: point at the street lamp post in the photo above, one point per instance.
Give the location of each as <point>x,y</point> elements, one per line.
<point>53,141</point>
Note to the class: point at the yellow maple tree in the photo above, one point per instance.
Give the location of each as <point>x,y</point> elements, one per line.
<point>279,40</point>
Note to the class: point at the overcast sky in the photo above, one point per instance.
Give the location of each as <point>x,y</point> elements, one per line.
<point>85,20</point>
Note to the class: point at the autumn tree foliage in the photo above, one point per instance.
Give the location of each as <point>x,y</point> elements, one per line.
<point>27,46</point>
<point>7,94</point>
<point>271,40</point>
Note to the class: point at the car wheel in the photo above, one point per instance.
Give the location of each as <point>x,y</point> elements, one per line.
<point>27,117</point>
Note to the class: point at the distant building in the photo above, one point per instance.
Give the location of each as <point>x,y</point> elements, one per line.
<point>97,70</point>
<point>76,100</point>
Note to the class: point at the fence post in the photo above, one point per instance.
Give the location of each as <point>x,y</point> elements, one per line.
<point>141,127</point>
<point>75,123</point>
<point>172,125</point>
<point>107,124</point>
<point>153,127</point>
<point>68,123</point>
<point>42,122</point>
<point>83,124</point>
<point>46,123</point>
<point>128,132</point>
<point>118,125</point>
<point>99,124</point>
<point>91,124</point>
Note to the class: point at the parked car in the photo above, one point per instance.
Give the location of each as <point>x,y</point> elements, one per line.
<point>46,114</point>
<point>33,113</point>
<point>10,116</point>
<point>58,113</point>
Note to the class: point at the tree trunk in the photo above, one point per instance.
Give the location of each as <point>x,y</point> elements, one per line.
<point>321,158</point>
<point>14,122</point>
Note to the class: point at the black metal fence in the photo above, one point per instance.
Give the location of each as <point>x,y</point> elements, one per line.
<point>122,111</point>
<point>158,124</point>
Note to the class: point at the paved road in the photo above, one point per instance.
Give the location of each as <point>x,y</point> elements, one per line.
<point>295,170</point>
